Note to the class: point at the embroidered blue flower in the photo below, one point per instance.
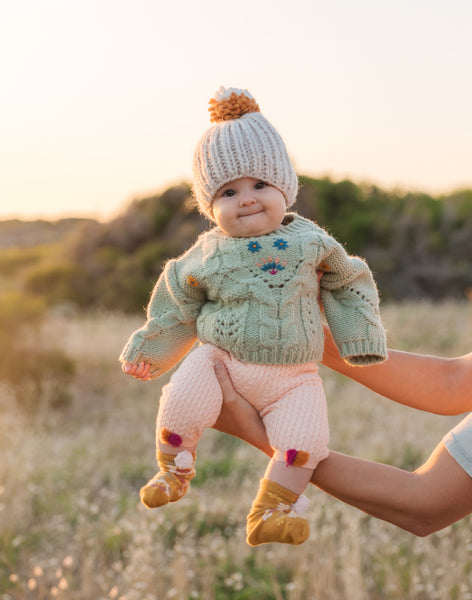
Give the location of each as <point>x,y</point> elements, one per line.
<point>254,246</point>
<point>281,244</point>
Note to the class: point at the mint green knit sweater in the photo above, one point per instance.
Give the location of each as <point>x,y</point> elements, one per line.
<point>257,299</point>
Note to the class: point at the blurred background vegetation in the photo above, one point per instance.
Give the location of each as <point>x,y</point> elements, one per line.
<point>418,246</point>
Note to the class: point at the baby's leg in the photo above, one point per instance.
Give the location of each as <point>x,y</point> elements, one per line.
<point>297,428</point>
<point>190,402</point>
<point>293,478</point>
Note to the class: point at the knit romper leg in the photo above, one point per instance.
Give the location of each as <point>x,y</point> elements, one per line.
<point>190,402</point>
<point>297,425</point>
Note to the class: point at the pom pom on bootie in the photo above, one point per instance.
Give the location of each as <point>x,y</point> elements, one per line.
<point>171,482</point>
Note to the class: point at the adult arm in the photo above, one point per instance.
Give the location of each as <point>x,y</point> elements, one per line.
<point>429,383</point>
<point>434,496</point>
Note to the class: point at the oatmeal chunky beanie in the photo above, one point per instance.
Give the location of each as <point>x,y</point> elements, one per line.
<point>241,143</point>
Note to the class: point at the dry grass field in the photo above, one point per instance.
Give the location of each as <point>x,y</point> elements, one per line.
<point>72,527</point>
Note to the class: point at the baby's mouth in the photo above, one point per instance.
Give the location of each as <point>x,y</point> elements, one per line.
<point>252,213</point>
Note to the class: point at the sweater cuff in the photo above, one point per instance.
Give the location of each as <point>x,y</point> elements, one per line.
<point>131,355</point>
<point>363,352</point>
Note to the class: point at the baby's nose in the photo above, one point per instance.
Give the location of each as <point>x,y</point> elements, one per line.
<point>247,199</point>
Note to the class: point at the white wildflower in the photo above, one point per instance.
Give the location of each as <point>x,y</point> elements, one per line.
<point>68,561</point>
<point>63,584</point>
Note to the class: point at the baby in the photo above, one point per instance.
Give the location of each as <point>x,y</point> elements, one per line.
<point>248,290</point>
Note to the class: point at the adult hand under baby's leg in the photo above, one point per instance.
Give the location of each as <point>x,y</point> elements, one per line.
<point>237,416</point>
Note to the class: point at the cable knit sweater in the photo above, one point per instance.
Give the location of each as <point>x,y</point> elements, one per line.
<point>257,299</point>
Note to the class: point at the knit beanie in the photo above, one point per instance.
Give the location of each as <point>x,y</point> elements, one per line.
<point>242,143</point>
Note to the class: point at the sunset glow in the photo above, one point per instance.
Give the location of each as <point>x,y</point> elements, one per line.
<point>105,100</point>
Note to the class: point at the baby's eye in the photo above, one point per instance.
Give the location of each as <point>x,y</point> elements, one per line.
<point>260,185</point>
<point>228,193</point>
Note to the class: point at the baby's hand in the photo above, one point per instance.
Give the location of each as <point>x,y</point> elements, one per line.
<point>140,371</point>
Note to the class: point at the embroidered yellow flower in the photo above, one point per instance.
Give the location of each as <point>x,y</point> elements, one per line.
<point>192,281</point>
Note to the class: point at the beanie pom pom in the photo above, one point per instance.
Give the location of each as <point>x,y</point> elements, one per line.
<point>231,103</point>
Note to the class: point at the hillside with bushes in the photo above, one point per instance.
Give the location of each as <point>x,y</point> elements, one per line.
<point>418,246</point>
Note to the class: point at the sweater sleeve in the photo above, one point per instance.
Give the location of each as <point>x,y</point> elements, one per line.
<point>351,305</point>
<point>170,330</point>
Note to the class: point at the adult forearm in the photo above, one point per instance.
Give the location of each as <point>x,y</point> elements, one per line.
<point>369,486</point>
<point>435,495</point>
<point>430,383</point>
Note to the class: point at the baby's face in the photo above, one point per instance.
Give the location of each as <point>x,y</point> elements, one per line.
<point>248,207</point>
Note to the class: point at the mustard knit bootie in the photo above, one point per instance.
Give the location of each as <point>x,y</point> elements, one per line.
<point>172,480</point>
<point>272,518</point>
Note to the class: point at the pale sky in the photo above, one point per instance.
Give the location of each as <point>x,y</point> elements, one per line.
<point>103,101</point>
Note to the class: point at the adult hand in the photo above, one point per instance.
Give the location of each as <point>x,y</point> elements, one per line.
<point>237,416</point>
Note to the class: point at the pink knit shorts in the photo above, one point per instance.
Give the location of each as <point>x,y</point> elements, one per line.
<point>289,398</point>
